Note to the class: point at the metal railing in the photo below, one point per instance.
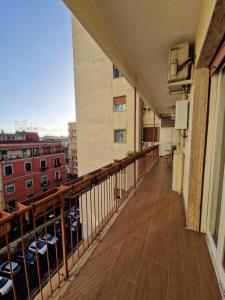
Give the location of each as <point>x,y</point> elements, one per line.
<point>64,222</point>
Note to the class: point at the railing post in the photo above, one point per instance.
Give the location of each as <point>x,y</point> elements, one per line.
<point>135,104</point>
<point>116,186</point>
<point>63,226</point>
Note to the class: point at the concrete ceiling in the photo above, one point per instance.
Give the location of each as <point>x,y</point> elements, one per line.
<point>137,34</point>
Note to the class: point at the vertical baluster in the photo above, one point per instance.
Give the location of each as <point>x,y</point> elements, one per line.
<point>102,184</point>
<point>9,259</point>
<point>87,219</point>
<point>63,225</point>
<point>98,207</point>
<point>77,235</point>
<point>36,250</point>
<point>24,257</point>
<point>91,214</point>
<point>56,246</point>
<point>46,243</point>
<point>82,220</point>
<point>94,210</point>
<point>71,231</point>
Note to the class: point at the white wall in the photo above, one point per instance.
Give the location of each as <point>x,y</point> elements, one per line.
<point>168,137</point>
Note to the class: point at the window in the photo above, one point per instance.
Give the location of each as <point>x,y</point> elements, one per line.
<point>10,189</point>
<point>44,180</point>
<point>28,166</point>
<point>57,176</point>
<point>119,103</point>
<point>120,136</point>
<point>43,165</point>
<point>116,73</point>
<point>8,170</point>
<point>57,162</point>
<point>29,183</point>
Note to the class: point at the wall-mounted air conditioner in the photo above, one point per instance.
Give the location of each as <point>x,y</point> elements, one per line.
<point>178,62</point>
<point>179,68</point>
<point>181,117</point>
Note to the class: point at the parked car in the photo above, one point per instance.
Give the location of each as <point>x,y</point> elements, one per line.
<point>51,239</point>
<point>5,285</point>
<point>5,267</point>
<point>74,226</point>
<point>30,257</point>
<point>41,247</point>
<point>74,213</point>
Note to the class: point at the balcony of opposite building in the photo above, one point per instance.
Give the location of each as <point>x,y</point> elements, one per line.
<point>148,253</point>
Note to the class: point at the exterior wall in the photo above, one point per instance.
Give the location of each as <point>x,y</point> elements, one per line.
<point>204,21</point>
<point>20,175</point>
<point>211,148</point>
<point>72,148</point>
<point>168,137</point>
<point>187,150</point>
<point>96,121</point>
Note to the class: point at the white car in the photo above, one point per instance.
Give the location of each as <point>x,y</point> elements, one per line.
<point>5,267</point>
<point>41,247</point>
<point>5,285</point>
<point>51,240</point>
<point>74,226</point>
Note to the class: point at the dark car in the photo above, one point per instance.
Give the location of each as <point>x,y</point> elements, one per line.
<point>30,257</point>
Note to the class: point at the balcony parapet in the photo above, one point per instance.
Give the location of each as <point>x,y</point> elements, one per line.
<point>78,197</point>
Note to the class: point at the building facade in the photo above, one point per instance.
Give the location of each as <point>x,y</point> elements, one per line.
<point>28,169</point>
<point>72,149</point>
<point>105,110</point>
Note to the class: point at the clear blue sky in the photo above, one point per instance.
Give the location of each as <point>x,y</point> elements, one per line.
<point>36,65</point>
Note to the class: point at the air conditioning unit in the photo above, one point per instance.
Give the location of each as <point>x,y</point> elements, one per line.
<point>146,108</point>
<point>180,68</point>
<point>178,62</point>
<point>181,119</point>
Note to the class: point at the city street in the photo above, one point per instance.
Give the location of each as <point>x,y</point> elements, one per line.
<point>20,278</point>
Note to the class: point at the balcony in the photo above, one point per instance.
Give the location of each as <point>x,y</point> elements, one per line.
<point>148,253</point>
<point>45,183</point>
<point>58,180</point>
<point>137,245</point>
<point>57,165</point>
<point>43,168</point>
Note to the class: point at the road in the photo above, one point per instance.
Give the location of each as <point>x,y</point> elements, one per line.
<point>19,279</point>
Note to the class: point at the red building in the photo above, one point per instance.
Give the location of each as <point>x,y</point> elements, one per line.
<point>28,168</point>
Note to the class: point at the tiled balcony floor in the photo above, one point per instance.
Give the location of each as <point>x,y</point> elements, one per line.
<point>148,253</point>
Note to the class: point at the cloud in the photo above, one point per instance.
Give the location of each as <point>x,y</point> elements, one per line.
<point>57,131</point>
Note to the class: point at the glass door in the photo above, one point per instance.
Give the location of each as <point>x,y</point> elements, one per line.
<point>217,211</point>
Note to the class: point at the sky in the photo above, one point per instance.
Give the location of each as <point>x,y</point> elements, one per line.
<point>36,66</point>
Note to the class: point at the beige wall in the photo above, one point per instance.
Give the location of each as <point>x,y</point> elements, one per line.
<point>94,91</point>
<point>72,148</point>
<point>210,153</point>
<point>204,20</point>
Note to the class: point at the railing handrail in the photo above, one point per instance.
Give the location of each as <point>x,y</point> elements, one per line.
<point>93,177</point>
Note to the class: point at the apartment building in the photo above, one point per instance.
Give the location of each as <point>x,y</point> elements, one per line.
<point>28,168</point>
<point>72,149</point>
<point>105,110</point>
<point>157,244</point>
